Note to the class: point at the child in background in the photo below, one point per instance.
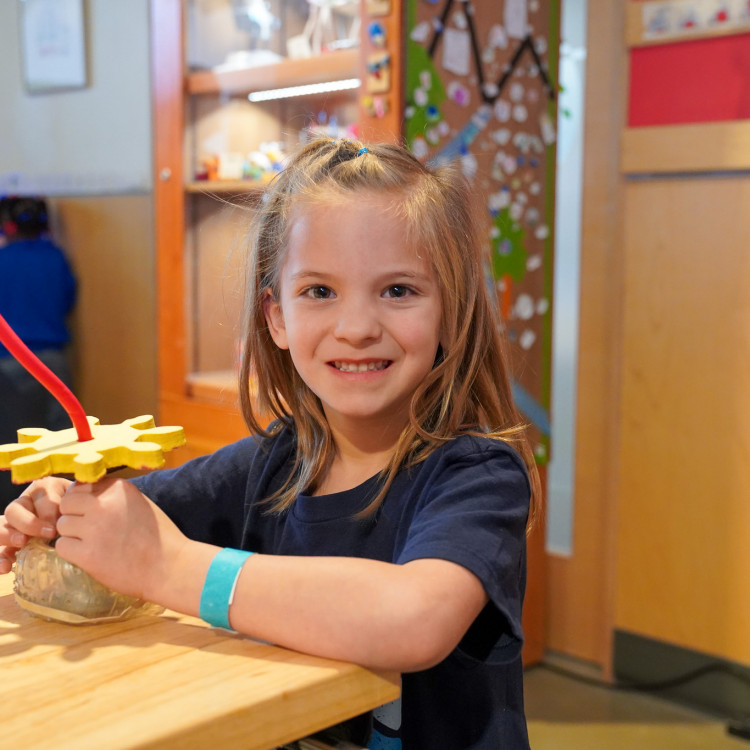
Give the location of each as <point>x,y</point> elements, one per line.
<point>37,292</point>
<point>381,518</point>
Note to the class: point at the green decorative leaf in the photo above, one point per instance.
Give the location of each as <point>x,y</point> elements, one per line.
<point>422,118</point>
<point>508,249</point>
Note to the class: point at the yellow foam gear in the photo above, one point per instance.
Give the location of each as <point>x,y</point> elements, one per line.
<point>136,443</point>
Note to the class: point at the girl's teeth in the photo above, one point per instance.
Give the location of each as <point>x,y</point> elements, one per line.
<point>362,367</point>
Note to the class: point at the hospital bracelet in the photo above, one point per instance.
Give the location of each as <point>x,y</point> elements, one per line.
<point>218,588</point>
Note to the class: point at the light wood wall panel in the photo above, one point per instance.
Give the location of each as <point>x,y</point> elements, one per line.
<point>683,556</point>
<point>687,148</point>
<point>110,242</point>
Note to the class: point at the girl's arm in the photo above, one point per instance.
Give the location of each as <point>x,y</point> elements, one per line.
<point>400,617</point>
<point>396,617</point>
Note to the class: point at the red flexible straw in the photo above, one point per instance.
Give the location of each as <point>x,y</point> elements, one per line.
<point>47,378</point>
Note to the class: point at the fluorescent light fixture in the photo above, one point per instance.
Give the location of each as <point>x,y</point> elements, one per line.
<point>312,88</point>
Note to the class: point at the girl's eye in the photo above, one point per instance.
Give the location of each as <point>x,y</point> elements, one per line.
<point>319,292</point>
<point>397,291</point>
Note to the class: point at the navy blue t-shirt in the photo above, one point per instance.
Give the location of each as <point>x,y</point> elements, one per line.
<point>467,503</point>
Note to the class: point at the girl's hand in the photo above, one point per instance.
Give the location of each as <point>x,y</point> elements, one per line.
<point>33,514</point>
<point>117,535</point>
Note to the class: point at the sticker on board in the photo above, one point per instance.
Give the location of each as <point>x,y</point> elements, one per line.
<point>516,18</point>
<point>457,51</point>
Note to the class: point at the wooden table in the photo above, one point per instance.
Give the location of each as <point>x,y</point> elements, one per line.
<point>167,681</point>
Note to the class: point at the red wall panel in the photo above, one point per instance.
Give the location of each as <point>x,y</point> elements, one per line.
<point>703,80</point>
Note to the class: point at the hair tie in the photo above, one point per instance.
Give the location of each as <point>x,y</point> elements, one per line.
<point>363,150</point>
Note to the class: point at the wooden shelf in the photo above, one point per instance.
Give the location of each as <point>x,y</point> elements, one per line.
<point>219,386</point>
<point>331,66</point>
<point>222,187</point>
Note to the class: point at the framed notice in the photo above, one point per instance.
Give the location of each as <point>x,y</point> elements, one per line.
<point>53,44</point>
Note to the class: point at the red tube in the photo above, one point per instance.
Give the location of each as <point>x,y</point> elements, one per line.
<point>47,378</point>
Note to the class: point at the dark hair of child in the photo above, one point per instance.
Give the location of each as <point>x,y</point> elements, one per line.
<point>23,217</point>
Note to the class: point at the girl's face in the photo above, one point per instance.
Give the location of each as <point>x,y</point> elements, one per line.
<point>358,310</point>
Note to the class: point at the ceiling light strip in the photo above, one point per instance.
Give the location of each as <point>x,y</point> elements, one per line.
<point>312,88</point>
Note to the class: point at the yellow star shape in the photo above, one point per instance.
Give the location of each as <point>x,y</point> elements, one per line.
<point>136,443</point>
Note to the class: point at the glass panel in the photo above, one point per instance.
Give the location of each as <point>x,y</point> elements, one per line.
<point>231,34</point>
<point>569,192</point>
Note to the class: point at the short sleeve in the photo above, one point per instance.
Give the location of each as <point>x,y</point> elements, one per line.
<point>205,496</point>
<point>473,511</point>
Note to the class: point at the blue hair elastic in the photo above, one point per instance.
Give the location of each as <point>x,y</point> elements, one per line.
<point>363,150</point>
<point>218,588</point>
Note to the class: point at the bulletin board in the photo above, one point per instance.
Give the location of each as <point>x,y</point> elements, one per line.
<point>481,89</point>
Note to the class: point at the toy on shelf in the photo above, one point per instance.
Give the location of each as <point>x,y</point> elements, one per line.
<point>261,164</point>
<point>325,126</point>
<point>331,25</point>
<point>256,19</point>
<point>46,585</point>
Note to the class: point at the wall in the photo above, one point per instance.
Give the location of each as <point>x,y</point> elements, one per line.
<point>92,140</point>
<point>684,476</point>
<point>110,240</point>
<point>91,149</point>
<point>683,557</point>
<point>662,475</point>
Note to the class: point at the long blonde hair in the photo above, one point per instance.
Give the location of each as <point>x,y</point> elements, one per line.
<point>467,391</point>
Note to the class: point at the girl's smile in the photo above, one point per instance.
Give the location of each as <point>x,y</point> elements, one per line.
<point>361,367</point>
<point>358,309</point>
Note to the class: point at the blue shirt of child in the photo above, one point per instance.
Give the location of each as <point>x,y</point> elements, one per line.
<point>37,291</point>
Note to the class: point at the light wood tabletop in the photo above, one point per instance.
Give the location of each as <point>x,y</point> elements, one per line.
<point>168,681</point>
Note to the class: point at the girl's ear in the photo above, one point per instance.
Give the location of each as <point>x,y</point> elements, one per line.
<point>275,319</point>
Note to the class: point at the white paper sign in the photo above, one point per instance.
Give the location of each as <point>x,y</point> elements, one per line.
<point>53,43</point>
<point>516,18</point>
<point>457,51</point>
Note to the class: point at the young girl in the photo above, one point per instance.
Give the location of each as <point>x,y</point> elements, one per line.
<point>387,504</point>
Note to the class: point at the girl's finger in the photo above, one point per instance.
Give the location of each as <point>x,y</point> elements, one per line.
<point>77,499</point>
<point>70,526</point>
<point>5,531</point>
<point>33,513</point>
<point>46,497</point>
<point>6,561</point>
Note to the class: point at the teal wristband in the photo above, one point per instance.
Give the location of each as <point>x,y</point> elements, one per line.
<point>218,588</point>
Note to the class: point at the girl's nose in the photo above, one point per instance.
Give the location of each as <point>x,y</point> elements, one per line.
<point>357,322</point>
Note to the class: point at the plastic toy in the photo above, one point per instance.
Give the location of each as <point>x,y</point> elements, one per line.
<point>136,443</point>
<point>47,585</point>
